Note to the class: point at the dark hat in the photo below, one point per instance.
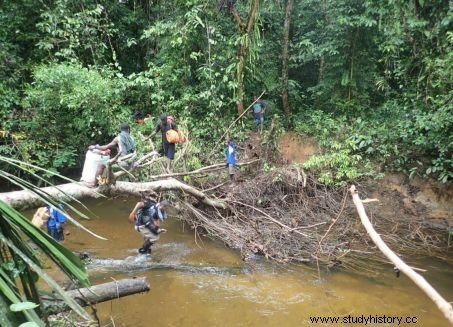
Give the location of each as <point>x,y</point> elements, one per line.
<point>124,127</point>
<point>163,117</point>
<point>138,115</point>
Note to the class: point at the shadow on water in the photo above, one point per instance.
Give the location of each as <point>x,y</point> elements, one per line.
<point>205,284</point>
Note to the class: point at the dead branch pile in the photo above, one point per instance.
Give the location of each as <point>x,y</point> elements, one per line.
<point>287,216</point>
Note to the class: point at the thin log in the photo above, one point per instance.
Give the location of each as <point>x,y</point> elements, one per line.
<point>100,293</point>
<point>421,282</point>
<point>203,170</point>
<point>275,221</point>
<point>233,123</point>
<point>140,163</point>
<point>27,199</point>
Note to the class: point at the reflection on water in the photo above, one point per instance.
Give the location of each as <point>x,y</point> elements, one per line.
<point>204,284</point>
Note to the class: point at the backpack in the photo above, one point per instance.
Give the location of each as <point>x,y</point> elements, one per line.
<point>149,211</point>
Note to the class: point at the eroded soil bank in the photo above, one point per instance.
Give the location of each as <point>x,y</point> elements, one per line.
<point>283,213</point>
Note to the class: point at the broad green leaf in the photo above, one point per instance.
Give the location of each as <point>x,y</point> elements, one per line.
<point>64,258</point>
<point>21,306</point>
<point>49,280</point>
<point>46,198</point>
<point>29,324</point>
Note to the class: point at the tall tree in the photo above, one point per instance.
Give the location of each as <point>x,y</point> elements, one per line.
<point>285,101</point>
<point>245,31</point>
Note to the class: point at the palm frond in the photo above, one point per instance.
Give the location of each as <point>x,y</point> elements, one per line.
<point>49,280</point>
<point>46,198</point>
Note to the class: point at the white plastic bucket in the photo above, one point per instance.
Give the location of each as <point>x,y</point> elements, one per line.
<point>92,161</point>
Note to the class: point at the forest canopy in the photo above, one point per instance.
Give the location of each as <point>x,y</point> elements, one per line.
<point>370,80</point>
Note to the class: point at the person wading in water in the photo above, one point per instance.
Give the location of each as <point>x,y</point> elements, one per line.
<point>148,215</point>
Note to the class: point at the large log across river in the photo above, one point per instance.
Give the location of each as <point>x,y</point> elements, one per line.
<point>29,199</point>
<point>69,191</point>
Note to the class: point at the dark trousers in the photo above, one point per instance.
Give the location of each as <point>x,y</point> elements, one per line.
<point>56,233</point>
<point>169,150</point>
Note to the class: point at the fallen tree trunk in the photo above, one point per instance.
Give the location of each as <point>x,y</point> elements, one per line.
<point>170,184</point>
<point>28,199</point>
<point>99,293</point>
<point>441,303</point>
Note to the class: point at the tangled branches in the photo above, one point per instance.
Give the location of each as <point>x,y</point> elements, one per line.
<point>288,217</point>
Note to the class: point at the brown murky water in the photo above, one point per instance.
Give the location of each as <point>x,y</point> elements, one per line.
<point>203,283</point>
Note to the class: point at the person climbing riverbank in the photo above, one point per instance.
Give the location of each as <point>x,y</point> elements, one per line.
<point>258,110</point>
<point>230,154</point>
<point>148,215</point>
<point>170,136</point>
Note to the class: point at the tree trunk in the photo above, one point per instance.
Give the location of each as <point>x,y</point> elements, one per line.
<point>100,293</point>
<point>443,305</point>
<point>240,81</point>
<point>245,31</point>
<point>28,199</point>
<point>285,96</point>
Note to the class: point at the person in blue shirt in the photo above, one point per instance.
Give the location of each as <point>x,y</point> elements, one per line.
<point>56,221</point>
<point>230,154</point>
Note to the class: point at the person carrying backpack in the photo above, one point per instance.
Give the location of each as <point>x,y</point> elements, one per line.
<point>148,215</point>
<point>258,110</point>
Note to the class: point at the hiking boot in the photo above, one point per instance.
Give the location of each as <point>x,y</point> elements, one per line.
<point>142,251</point>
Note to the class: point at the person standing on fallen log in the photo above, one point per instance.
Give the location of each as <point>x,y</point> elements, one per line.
<point>148,215</point>
<point>125,145</point>
<point>230,154</point>
<point>170,136</point>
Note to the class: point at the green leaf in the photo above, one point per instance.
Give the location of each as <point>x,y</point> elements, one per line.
<point>29,324</point>
<point>45,197</point>
<point>21,306</point>
<point>7,288</point>
<point>64,258</point>
<point>49,280</point>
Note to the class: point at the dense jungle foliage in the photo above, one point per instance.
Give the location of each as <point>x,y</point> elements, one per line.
<point>370,80</point>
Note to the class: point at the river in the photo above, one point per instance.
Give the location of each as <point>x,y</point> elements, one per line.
<point>202,283</point>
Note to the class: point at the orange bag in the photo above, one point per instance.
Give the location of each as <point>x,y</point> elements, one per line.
<point>172,136</point>
<point>182,137</point>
